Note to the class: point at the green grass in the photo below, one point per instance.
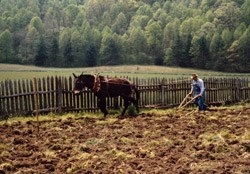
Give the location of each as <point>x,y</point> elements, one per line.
<point>16,72</point>
<point>111,118</point>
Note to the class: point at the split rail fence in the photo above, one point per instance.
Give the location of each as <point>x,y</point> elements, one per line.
<point>55,94</point>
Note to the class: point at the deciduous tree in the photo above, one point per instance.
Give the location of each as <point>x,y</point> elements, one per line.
<point>6,50</point>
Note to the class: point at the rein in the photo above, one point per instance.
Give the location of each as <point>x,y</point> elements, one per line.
<point>117,83</point>
<point>97,83</point>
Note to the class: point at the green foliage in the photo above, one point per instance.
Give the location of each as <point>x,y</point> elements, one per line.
<point>53,52</point>
<point>6,52</point>
<point>91,56</point>
<point>41,56</point>
<point>109,50</point>
<point>246,11</point>
<point>199,52</point>
<point>244,48</point>
<point>132,111</point>
<point>239,31</point>
<point>227,37</point>
<point>120,24</point>
<point>154,39</point>
<point>37,23</point>
<point>99,32</point>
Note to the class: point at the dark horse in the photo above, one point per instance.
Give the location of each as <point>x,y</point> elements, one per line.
<point>107,87</point>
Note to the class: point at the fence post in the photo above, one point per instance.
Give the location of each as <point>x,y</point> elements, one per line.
<point>238,97</point>
<point>4,114</point>
<point>59,94</point>
<point>162,95</point>
<point>1,100</point>
<point>36,99</point>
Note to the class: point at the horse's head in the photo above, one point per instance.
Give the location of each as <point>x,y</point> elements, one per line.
<point>82,81</point>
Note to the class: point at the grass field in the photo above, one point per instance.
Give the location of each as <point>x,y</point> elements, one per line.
<point>11,71</point>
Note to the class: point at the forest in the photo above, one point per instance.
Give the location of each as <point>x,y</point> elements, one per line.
<point>203,34</point>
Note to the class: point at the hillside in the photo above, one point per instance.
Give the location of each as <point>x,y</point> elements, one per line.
<point>204,34</point>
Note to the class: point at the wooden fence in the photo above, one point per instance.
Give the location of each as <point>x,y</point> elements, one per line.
<point>55,94</point>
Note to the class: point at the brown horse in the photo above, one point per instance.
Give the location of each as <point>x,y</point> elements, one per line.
<point>107,87</point>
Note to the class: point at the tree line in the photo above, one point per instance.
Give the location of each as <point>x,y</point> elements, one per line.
<point>205,34</point>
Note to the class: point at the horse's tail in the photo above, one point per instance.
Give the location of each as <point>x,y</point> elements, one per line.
<point>137,93</point>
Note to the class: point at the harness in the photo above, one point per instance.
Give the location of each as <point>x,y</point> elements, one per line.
<point>97,83</point>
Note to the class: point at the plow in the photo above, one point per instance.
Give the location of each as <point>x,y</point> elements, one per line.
<point>187,100</point>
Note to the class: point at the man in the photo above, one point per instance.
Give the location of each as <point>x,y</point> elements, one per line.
<point>198,89</point>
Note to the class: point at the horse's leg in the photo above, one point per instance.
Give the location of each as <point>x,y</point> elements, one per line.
<point>102,105</point>
<point>136,103</point>
<point>126,103</point>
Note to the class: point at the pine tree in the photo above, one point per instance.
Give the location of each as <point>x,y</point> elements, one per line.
<point>42,55</point>
<point>67,54</point>
<point>54,53</point>
<point>199,52</point>
<point>91,56</point>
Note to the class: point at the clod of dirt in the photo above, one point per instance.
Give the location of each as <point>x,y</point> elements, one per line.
<point>50,167</point>
<point>246,145</point>
<point>18,140</point>
<point>16,123</point>
<point>29,131</point>
<point>56,147</point>
<point>24,164</point>
<point>29,122</point>
<point>16,132</point>
<point>25,153</point>
<point>85,149</point>
<point>6,167</point>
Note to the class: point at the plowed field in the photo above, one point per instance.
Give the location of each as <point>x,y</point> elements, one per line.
<point>169,141</point>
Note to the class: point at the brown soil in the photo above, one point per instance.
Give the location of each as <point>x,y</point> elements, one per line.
<point>170,142</point>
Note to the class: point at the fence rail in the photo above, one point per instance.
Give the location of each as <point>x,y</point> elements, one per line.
<point>55,94</point>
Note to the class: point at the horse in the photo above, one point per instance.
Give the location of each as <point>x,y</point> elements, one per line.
<point>103,87</point>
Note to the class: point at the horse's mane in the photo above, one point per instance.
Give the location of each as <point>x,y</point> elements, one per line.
<point>86,75</point>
